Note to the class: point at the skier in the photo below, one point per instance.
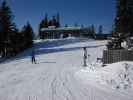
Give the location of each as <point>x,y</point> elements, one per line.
<point>33,57</point>
<point>85,56</point>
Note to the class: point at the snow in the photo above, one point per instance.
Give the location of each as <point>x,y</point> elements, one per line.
<point>59,73</point>
<point>118,75</point>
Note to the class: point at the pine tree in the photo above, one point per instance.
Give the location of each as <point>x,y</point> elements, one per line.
<point>1,34</point>
<point>40,28</point>
<point>54,21</point>
<point>7,28</point>
<point>124,17</point>
<point>58,20</point>
<point>28,35</point>
<point>50,23</point>
<point>43,24</point>
<point>16,42</point>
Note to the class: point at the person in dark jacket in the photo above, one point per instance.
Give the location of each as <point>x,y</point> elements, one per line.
<point>85,56</point>
<point>33,57</point>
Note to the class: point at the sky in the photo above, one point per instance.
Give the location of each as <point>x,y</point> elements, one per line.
<point>86,12</point>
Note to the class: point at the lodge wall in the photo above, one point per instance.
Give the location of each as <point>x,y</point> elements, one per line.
<point>55,34</point>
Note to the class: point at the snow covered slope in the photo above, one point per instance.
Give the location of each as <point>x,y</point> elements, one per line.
<point>54,77</point>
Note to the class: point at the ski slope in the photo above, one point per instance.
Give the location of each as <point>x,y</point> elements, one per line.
<point>54,76</point>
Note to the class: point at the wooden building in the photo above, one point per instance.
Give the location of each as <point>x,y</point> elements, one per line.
<point>63,32</point>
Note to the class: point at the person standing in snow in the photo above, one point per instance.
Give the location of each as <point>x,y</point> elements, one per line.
<point>33,56</point>
<point>85,56</point>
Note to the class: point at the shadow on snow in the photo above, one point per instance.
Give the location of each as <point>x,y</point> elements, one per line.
<point>49,46</point>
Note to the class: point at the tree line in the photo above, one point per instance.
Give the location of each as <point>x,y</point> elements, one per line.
<point>92,30</point>
<point>46,22</point>
<point>13,40</point>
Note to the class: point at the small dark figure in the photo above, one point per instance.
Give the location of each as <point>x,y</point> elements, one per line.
<point>33,57</point>
<point>85,56</point>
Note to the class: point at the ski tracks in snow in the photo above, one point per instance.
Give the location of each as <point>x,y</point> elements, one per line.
<point>51,81</point>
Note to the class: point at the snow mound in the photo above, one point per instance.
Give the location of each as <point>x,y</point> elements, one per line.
<point>118,75</point>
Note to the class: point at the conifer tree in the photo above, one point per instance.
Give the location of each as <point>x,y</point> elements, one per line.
<point>40,27</point>
<point>54,21</point>
<point>7,28</point>
<point>124,17</point>
<point>43,24</point>
<point>58,20</point>
<point>28,35</point>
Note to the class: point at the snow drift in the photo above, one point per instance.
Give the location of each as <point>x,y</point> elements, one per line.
<point>117,75</point>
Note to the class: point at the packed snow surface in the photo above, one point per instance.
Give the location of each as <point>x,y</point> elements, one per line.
<point>59,73</point>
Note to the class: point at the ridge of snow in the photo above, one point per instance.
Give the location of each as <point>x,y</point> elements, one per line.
<point>117,75</point>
